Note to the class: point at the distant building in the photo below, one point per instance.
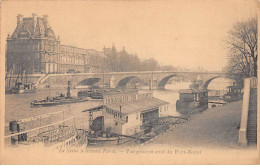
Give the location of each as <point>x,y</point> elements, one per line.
<point>107,51</point>
<point>125,113</point>
<point>110,51</point>
<point>34,48</point>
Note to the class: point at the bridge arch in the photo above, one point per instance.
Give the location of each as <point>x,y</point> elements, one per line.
<point>89,81</point>
<point>206,84</point>
<point>123,82</point>
<point>163,81</point>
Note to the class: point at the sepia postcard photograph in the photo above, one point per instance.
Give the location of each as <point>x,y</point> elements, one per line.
<point>128,82</point>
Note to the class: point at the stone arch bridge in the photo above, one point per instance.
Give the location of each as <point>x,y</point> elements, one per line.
<point>122,79</point>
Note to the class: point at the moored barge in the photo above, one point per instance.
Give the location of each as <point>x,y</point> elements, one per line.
<point>58,100</point>
<point>191,99</point>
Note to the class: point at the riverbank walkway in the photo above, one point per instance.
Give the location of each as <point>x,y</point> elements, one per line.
<point>214,128</point>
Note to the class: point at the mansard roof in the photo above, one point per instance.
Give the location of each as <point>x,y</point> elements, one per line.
<point>33,27</point>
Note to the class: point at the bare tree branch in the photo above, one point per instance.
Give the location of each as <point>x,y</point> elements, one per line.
<point>242,44</point>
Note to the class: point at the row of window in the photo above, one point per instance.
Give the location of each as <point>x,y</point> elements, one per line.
<point>55,68</point>
<point>124,98</point>
<point>165,108</point>
<point>114,113</point>
<point>72,50</point>
<point>118,114</point>
<point>32,46</point>
<point>71,60</point>
<point>75,67</point>
<point>63,59</point>
<point>144,95</point>
<point>120,99</point>
<point>49,47</point>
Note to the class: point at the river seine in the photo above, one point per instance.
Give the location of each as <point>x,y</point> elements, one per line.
<point>17,106</point>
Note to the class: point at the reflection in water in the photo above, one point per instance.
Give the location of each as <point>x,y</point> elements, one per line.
<point>171,95</point>
<point>220,84</point>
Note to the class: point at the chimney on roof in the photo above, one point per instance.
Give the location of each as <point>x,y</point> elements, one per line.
<point>45,18</point>
<point>34,21</point>
<point>34,15</point>
<point>19,19</point>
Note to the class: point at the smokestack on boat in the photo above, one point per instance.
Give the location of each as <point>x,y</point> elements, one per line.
<point>68,91</point>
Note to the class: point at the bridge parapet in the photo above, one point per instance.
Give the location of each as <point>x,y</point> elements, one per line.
<point>159,78</point>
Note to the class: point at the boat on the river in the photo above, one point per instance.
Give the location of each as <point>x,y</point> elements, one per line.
<point>20,88</point>
<point>101,137</point>
<point>95,93</point>
<point>92,93</point>
<point>21,85</point>
<point>191,99</point>
<point>97,135</point>
<point>58,135</point>
<point>58,100</point>
<point>234,94</point>
<point>86,93</point>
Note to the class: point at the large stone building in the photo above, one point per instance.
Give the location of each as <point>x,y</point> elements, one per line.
<point>34,48</point>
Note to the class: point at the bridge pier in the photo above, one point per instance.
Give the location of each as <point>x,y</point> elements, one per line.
<point>112,82</point>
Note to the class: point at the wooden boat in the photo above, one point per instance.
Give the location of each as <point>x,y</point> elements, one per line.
<point>191,99</point>
<point>92,93</point>
<point>59,99</point>
<point>85,93</point>
<point>97,95</point>
<point>20,88</point>
<point>233,94</point>
<point>55,135</point>
<point>20,85</point>
<point>59,141</point>
<point>102,138</point>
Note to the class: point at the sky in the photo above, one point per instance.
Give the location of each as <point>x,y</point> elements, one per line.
<point>186,33</point>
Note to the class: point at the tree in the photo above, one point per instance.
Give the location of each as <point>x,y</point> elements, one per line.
<point>242,44</point>
<point>122,61</point>
<point>150,65</point>
<point>112,60</point>
<point>167,68</point>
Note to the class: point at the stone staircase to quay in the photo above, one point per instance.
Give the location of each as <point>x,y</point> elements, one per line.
<point>252,118</point>
<point>42,79</point>
<point>248,124</point>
